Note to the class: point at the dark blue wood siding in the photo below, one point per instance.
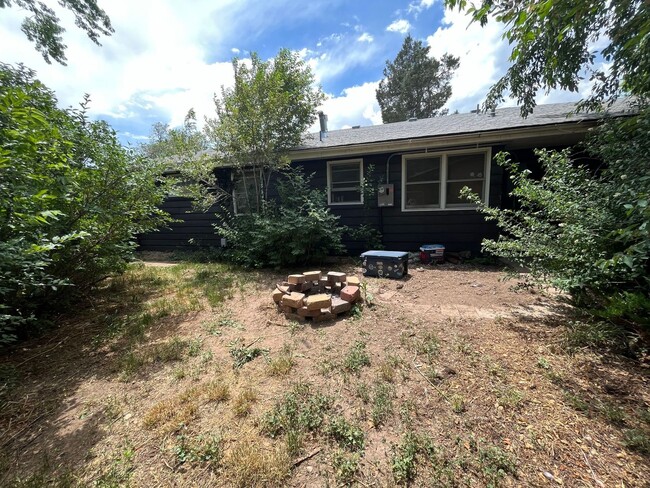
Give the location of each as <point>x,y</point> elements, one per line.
<point>457,230</point>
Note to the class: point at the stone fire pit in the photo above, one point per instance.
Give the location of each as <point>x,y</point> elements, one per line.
<point>311,295</point>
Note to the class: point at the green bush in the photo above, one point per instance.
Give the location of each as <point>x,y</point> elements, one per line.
<point>72,201</point>
<point>296,229</point>
<point>585,231</point>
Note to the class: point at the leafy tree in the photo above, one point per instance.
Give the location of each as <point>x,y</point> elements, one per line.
<point>188,158</point>
<point>72,200</point>
<point>415,84</point>
<point>554,45</point>
<point>42,25</point>
<point>262,117</point>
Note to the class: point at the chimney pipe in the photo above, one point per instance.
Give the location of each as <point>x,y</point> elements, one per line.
<point>322,117</point>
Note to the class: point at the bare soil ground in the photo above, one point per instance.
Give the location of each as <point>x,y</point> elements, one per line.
<point>450,378</point>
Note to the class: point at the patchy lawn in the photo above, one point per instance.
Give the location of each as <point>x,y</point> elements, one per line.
<point>187,375</point>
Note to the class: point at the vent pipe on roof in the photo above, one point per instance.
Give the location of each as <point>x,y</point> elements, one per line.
<point>322,117</point>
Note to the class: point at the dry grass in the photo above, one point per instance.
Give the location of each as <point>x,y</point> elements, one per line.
<point>440,383</point>
<point>217,391</point>
<point>243,402</point>
<point>282,364</point>
<point>252,462</point>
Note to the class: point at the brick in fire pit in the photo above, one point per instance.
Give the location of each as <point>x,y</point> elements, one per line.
<point>353,281</point>
<point>305,312</point>
<point>312,275</point>
<point>307,285</point>
<point>288,309</point>
<point>350,294</point>
<point>296,279</point>
<point>277,295</point>
<point>294,299</point>
<point>336,277</point>
<point>339,305</point>
<point>324,316</point>
<point>316,302</point>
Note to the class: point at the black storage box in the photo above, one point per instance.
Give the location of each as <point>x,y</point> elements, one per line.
<point>385,264</point>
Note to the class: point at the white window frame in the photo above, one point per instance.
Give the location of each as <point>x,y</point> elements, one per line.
<point>359,162</point>
<point>443,179</point>
<point>233,177</point>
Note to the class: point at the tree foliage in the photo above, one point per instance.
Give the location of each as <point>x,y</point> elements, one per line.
<point>188,159</point>
<point>556,43</point>
<point>585,231</point>
<point>72,200</point>
<point>43,28</point>
<point>263,116</point>
<point>415,84</point>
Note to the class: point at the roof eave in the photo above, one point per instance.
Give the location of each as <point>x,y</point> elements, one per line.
<point>480,139</point>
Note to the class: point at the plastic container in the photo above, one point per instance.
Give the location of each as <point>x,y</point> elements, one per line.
<point>432,253</point>
<point>385,264</point>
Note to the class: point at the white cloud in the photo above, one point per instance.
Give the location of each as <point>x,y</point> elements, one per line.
<point>483,57</point>
<point>338,54</point>
<point>417,7</point>
<point>153,64</point>
<point>402,26</point>
<point>365,37</point>
<point>356,105</point>
<point>235,50</point>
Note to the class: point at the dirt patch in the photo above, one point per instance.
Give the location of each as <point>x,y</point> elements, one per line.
<point>450,378</point>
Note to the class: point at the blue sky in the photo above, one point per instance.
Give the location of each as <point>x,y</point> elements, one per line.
<point>167,56</point>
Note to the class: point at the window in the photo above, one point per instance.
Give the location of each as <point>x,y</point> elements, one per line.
<point>344,182</point>
<point>433,181</point>
<point>247,189</point>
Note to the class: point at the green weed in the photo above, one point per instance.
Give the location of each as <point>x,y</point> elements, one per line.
<point>356,358</point>
<point>613,413</point>
<point>509,397</point>
<point>496,464</point>
<point>346,434</point>
<point>201,449</point>
<point>458,403</point>
<point>242,354</point>
<point>363,392</point>
<point>119,470</point>
<point>576,402</point>
<point>382,404</point>
<point>300,411</point>
<point>637,440</point>
<point>404,460</point>
<point>346,466</point>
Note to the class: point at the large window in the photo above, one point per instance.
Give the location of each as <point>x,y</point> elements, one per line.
<point>433,181</point>
<point>247,190</point>
<point>344,182</point>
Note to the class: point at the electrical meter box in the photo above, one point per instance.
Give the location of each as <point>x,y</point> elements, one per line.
<point>385,195</point>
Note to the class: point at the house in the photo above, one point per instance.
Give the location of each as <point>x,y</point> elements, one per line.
<point>418,168</point>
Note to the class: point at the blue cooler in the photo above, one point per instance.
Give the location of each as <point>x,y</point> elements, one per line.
<point>432,253</point>
<point>385,264</point>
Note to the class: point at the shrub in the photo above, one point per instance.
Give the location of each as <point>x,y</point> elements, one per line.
<point>296,229</point>
<point>72,201</point>
<point>585,231</point>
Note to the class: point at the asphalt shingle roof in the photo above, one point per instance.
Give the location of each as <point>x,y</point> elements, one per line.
<point>456,124</point>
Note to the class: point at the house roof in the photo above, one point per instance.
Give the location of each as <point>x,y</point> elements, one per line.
<point>457,125</point>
